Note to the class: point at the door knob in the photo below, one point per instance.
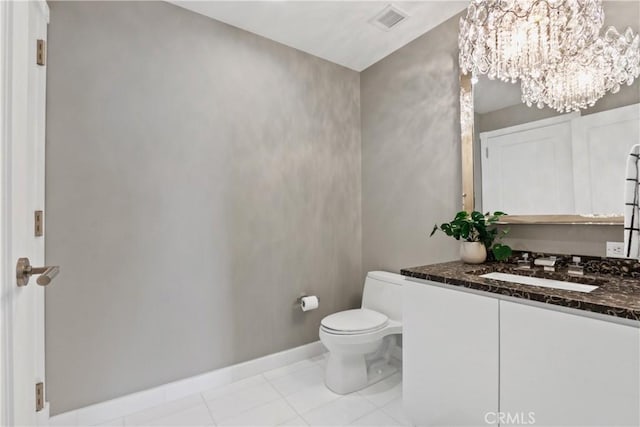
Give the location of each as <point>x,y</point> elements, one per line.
<point>24,271</point>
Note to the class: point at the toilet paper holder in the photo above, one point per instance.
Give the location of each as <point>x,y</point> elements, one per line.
<point>299,300</point>
<point>308,302</point>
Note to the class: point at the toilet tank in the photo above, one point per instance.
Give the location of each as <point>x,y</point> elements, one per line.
<point>383,293</point>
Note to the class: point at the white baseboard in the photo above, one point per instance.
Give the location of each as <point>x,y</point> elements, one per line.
<point>125,405</point>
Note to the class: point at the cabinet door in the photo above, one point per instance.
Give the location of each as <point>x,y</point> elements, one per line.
<point>450,356</point>
<point>568,369</point>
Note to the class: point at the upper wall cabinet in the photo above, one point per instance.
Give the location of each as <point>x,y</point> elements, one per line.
<point>565,165</point>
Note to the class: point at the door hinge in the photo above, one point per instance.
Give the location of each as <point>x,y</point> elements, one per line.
<point>39,397</point>
<point>486,150</point>
<point>40,52</point>
<point>38,223</point>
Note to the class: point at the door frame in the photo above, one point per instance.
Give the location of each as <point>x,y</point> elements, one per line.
<point>6,308</point>
<point>9,45</point>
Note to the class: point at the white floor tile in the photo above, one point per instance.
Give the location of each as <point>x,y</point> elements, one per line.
<point>295,422</point>
<point>195,416</point>
<point>144,417</point>
<point>395,409</point>
<point>118,422</point>
<point>299,380</point>
<point>64,420</point>
<point>311,397</point>
<point>108,410</point>
<point>279,372</point>
<point>258,401</point>
<point>340,412</point>
<point>376,418</point>
<point>383,391</point>
<point>271,414</point>
<point>242,400</point>
<point>321,359</point>
<point>217,392</point>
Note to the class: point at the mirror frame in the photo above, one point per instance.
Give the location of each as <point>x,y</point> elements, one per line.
<point>468,190</point>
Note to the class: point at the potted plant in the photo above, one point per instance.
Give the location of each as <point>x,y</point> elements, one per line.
<point>479,236</point>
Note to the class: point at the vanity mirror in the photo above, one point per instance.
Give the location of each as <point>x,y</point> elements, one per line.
<point>543,166</point>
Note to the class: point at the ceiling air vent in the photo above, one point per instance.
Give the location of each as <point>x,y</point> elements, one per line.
<point>389,18</point>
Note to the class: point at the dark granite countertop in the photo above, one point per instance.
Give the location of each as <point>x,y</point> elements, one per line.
<point>617,295</point>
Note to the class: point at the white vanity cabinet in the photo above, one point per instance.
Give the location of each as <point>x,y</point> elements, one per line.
<point>450,356</point>
<point>567,369</point>
<point>471,359</point>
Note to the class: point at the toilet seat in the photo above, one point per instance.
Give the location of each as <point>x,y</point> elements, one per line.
<point>351,322</point>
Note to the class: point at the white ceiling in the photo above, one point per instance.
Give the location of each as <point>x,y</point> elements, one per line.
<point>338,31</point>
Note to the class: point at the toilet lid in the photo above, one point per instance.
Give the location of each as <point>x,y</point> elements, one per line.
<point>358,320</point>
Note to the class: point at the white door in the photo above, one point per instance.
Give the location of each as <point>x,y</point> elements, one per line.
<point>601,146</point>
<point>527,169</point>
<point>22,120</point>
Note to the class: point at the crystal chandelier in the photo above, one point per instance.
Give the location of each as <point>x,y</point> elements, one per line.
<point>579,81</point>
<point>515,39</point>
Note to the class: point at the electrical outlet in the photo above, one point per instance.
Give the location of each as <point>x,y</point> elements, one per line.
<point>615,249</point>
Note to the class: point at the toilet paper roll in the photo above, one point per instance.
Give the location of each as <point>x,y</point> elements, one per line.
<point>309,303</point>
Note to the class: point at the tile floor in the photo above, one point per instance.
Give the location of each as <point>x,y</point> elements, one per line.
<point>294,395</point>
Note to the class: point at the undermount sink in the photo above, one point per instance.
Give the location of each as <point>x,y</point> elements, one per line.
<point>538,281</point>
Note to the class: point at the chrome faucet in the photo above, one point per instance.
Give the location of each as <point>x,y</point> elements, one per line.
<point>576,269</point>
<point>524,262</point>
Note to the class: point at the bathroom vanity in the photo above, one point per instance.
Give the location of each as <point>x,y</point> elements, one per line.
<point>479,351</point>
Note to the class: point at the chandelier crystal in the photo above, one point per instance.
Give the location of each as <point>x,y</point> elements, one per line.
<point>515,39</point>
<point>579,81</point>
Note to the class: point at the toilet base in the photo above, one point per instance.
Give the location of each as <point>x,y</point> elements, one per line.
<point>349,372</point>
<point>381,371</point>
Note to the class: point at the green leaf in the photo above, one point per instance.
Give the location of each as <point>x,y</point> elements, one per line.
<point>461,215</point>
<point>473,227</point>
<point>477,216</point>
<point>465,229</point>
<point>495,217</point>
<point>501,252</point>
<point>448,229</point>
<point>455,230</point>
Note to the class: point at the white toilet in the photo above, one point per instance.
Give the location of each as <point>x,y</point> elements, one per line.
<point>362,342</point>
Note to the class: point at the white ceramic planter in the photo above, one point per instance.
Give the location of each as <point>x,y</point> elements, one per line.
<point>473,252</point>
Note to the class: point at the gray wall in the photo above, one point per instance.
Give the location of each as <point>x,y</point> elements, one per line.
<point>411,152</point>
<point>411,161</point>
<point>193,169</point>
